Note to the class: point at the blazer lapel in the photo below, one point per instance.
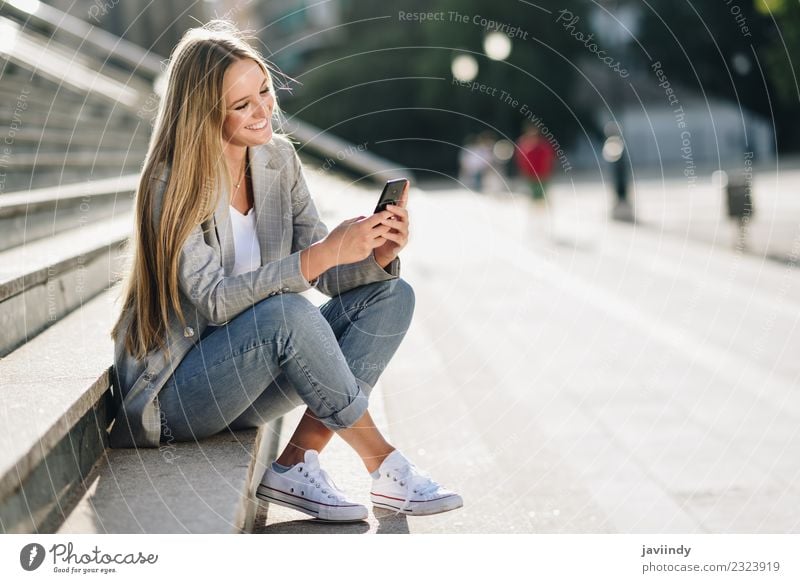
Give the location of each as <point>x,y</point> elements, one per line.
<point>224,228</point>
<point>267,205</point>
<point>267,202</point>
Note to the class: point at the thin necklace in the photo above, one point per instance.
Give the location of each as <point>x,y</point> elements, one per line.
<point>244,173</point>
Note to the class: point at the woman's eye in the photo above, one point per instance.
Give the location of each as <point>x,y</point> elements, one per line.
<point>245,104</point>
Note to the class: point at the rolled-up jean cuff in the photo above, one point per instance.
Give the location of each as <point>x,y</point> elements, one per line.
<point>351,413</point>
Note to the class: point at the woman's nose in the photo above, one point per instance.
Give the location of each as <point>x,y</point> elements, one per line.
<point>265,105</point>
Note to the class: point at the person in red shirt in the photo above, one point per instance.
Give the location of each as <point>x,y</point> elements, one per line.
<point>534,158</point>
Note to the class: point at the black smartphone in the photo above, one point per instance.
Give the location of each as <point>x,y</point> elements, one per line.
<point>392,191</point>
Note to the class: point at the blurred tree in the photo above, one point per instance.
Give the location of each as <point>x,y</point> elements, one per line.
<point>782,57</point>
<point>391,79</point>
<point>721,48</point>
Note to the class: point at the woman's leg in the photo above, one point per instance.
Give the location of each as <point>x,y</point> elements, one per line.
<point>362,436</point>
<point>283,336</point>
<point>369,323</point>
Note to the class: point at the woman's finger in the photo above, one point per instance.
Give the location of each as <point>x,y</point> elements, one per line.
<point>379,230</point>
<point>398,224</point>
<point>377,242</point>
<point>376,219</point>
<point>398,211</point>
<point>398,238</point>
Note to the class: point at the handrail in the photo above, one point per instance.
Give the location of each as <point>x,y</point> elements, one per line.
<point>126,51</point>
<point>50,61</point>
<point>338,152</point>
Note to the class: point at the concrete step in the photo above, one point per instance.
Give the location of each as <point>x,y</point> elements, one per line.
<point>42,281</point>
<point>53,176</point>
<point>121,160</point>
<point>81,117</point>
<point>53,409</point>
<point>204,487</point>
<point>56,473</point>
<point>34,214</point>
<point>27,87</point>
<point>48,169</point>
<point>52,139</point>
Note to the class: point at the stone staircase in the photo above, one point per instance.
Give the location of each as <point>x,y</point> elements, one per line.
<point>77,138</point>
<point>79,132</point>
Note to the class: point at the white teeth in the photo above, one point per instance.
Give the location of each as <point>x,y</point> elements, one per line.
<point>257,126</point>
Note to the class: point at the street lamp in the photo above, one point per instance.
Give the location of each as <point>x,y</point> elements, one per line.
<point>497,46</point>
<point>464,68</point>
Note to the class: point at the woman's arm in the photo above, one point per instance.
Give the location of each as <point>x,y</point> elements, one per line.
<point>201,277</point>
<point>308,230</point>
<point>218,298</point>
<point>314,261</point>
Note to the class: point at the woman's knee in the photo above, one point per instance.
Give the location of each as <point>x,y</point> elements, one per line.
<point>291,320</point>
<point>286,310</point>
<point>402,299</point>
<point>404,293</point>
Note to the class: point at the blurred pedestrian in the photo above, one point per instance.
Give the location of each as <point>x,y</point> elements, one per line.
<point>614,153</point>
<point>534,158</point>
<point>475,160</point>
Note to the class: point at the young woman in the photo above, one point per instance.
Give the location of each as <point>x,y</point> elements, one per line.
<point>213,334</point>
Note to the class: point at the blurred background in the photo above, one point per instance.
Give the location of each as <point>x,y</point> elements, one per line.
<point>695,91</point>
<point>605,234</point>
<point>731,69</point>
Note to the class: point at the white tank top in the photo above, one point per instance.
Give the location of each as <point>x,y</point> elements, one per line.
<point>245,241</point>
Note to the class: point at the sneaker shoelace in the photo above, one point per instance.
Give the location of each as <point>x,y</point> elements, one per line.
<point>415,482</point>
<point>319,478</point>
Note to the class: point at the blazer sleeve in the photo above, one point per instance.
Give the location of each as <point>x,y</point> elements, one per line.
<point>308,229</point>
<point>220,298</point>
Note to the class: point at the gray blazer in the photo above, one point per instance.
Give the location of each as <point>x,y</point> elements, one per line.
<point>286,223</point>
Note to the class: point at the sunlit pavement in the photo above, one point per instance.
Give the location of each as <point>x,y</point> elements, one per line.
<point>566,373</point>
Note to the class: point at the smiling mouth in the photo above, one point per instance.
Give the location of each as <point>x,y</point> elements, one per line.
<point>258,126</point>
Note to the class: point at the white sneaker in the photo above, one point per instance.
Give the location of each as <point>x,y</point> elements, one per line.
<point>402,487</point>
<point>308,488</point>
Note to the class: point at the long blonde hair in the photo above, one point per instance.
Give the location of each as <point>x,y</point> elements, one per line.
<point>187,138</point>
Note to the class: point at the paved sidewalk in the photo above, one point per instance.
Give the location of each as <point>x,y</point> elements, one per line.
<point>603,378</point>
<point>693,210</point>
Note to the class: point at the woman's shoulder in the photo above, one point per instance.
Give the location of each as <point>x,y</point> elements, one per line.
<point>280,146</point>
<point>283,142</point>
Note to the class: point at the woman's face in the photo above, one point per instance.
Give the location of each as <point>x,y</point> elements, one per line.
<point>248,103</point>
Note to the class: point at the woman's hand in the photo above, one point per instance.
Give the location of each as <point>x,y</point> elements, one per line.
<point>354,239</point>
<point>397,238</point>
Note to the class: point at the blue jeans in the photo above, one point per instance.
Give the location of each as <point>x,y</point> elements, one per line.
<point>285,352</point>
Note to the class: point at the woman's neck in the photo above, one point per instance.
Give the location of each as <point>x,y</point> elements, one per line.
<point>235,158</point>
<point>240,197</point>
